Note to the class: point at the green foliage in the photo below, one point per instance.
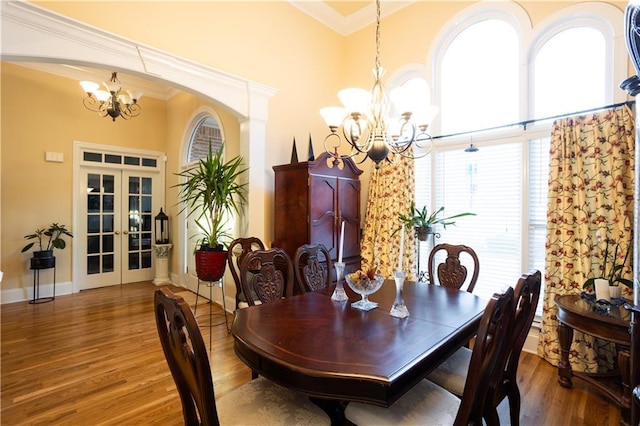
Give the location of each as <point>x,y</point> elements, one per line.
<point>615,270</point>
<point>420,217</point>
<point>210,190</point>
<point>55,240</point>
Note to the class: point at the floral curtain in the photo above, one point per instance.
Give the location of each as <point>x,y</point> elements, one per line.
<point>391,189</point>
<point>590,201</point>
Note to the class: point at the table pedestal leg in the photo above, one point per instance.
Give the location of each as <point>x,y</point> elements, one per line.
<point>565,336</point>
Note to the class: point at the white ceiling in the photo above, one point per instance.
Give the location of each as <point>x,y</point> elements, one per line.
<point>343,17</point>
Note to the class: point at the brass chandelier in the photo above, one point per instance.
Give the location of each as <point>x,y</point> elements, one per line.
<point>111,102</point>
<point>366,125</point>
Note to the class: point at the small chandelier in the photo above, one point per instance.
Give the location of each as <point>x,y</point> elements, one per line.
<point>111,102</point>
<point>366,124</point>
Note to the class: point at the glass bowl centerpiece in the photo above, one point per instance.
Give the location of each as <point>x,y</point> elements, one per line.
<point>364,284</point>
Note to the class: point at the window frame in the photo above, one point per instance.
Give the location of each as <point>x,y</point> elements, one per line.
<point>603,17</point>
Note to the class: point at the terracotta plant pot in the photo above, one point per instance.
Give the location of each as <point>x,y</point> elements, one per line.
<point>210,265</point>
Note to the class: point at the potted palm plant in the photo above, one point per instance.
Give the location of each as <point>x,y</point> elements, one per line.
<point>210,190</point>
<point>423,222</point>
<point>47,239</point>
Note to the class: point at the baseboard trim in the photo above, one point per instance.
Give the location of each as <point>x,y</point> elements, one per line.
<point>14,295</point>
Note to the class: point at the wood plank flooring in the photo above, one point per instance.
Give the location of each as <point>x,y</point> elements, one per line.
<point>94,358</point>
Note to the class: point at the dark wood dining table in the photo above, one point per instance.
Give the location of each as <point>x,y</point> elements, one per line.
<point>331,351</point>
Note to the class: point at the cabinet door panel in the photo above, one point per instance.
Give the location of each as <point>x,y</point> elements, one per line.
<point>323,193</point>
<point>349,208</point>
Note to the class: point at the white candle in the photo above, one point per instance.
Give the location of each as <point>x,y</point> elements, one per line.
<point>401,248</point>
<point>340,249</point>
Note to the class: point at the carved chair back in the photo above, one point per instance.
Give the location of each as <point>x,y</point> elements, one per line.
<point>268,274</point>
<point>488,350</point>
<point>452,273</point>
<point>238,249</point>
<point>186,354</point>
<point>312,266</point>
<point>526,296</point>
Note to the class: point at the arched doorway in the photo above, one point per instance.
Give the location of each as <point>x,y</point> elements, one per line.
<point>34,34</point>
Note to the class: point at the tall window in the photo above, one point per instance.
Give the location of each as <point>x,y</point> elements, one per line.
<point>479,83</point>
<point>505,181</point>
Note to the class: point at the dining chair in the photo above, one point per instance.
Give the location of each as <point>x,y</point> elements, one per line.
<point>451,375</point>
<point>312,272</point>
<point>429,404</point>
<point>452,273</point>
<point>268,274</point>
<point>238,249</point>
<point>258,402</point>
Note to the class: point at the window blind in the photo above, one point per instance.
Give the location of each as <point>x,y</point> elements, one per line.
<point>488,183</point>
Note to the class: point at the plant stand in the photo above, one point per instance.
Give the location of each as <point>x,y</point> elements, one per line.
<point>36,266</point>
<point>423,276</point>
<point>210,284</point>
<point>162,263</point>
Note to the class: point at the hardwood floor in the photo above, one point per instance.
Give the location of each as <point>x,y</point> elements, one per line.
<point>94,358</point>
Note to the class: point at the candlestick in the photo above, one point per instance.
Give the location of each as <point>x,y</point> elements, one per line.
<point>341,248</point>
<point>399,309</point>
<point>401,248</point>
<point>339,294</point>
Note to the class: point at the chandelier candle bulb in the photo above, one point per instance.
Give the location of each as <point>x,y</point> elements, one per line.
<point>401,248</point>
<point>341,247</point>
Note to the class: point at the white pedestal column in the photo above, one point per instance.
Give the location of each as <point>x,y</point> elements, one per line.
<point>162,264</point>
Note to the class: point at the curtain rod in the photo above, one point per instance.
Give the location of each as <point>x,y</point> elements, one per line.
<point>527,122</point>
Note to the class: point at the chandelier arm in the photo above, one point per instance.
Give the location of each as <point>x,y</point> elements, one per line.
<point>333,148</point>
<point>134,109</point>
<point>424,151</point>
<point>92,104</point>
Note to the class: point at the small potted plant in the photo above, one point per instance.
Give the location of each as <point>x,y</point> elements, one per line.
<point>423,222</point>
<point>612,269</point>
<point>210,190</point>
<point>53,235</point>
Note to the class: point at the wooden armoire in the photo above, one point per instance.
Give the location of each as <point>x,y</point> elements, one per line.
<point>312,199</point>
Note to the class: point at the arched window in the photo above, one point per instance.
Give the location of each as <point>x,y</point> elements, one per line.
<point>493,70</point>
<point>206,133</point>
<point>569,72</point>
<point>480,78</point>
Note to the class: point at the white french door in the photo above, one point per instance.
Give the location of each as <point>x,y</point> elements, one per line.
<point>118,193</point>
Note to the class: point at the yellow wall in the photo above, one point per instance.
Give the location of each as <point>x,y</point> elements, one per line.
<point>272,43</point>
<point>40,113</point>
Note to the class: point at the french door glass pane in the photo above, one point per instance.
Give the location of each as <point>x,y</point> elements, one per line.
<point>108,182</point>
<point>107,263</point>
<point>100,223</point>
<point>140,220</point>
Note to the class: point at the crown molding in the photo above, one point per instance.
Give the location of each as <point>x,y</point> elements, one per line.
<point>346,25</point>
<point>32,34</point>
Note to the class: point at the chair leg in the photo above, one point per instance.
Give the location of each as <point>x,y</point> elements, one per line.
<point>491,416</point>
<point>513,394</point>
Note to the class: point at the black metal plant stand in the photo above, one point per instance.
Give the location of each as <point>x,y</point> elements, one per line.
<point>210,284</point>
<point>37,265</point>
